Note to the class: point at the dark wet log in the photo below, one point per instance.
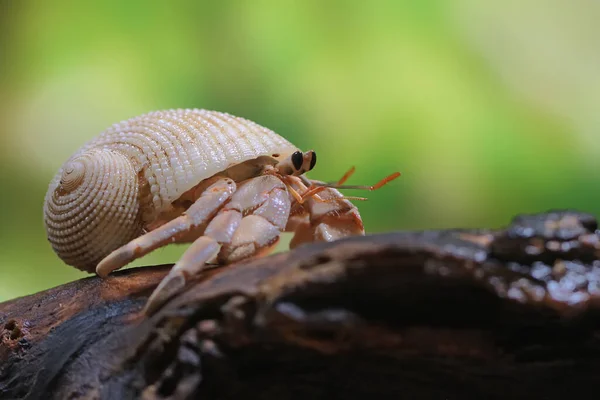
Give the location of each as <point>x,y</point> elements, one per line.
<point>457,314</point>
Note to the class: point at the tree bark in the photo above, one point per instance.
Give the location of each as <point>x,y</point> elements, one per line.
<point>451,314</point>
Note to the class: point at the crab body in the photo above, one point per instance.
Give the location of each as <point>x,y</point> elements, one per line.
<point>223,183</point>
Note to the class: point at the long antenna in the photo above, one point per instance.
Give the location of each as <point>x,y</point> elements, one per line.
<point>339,184</point>
<point>317,187</point>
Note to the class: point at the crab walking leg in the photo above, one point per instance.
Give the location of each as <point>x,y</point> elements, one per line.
<point>231,234</point>
<point>194,259</point>
<point>198,214</point>
<point>330,217</point>
<point>260,230</point>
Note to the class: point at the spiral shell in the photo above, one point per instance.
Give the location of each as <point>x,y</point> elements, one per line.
<point>94,209</point>
<point>118,182</point>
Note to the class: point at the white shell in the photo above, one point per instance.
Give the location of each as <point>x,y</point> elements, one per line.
<point>135,169</point>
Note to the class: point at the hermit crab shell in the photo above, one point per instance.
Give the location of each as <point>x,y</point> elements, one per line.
<point>108,192</point>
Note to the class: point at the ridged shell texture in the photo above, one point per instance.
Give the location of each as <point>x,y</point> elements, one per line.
<point>95,203</point>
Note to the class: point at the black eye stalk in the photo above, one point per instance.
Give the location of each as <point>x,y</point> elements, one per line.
<point>298,163</point>
<point>313,160</point>
<point>297,160</point>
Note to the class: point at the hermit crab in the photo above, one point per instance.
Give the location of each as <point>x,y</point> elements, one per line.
<point>223,183</point>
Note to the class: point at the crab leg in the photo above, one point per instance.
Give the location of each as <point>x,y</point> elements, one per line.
<point>198,214</point>
<point>231,234</point>
<point>268,214</point>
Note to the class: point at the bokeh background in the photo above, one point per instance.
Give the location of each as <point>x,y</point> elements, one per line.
<point>487,108</point>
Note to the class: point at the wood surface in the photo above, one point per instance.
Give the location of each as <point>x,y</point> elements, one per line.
<point>502,313</point>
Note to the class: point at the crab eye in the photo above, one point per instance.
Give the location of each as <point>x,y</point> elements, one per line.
<point>297,160</point>
<point>313,160</point>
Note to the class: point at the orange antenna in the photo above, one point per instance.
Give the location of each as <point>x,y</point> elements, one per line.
<point>376,186</point>
<point>346,176</point>
<point>316,187</point>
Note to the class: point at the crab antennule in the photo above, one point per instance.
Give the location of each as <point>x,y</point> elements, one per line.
<point>313,189</point>
<point>346,176</point>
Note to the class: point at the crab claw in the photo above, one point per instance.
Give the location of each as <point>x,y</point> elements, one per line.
<point>330,218</point>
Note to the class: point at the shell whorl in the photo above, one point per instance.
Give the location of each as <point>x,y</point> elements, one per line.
<point>92,207</point>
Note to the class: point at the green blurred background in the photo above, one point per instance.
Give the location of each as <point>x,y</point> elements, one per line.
<point>487,108</point>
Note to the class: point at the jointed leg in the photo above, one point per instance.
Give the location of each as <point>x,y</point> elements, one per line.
<point>266,218</point>
<point>232,234</point>
<point>193,218</point>
<point>219,230</point>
